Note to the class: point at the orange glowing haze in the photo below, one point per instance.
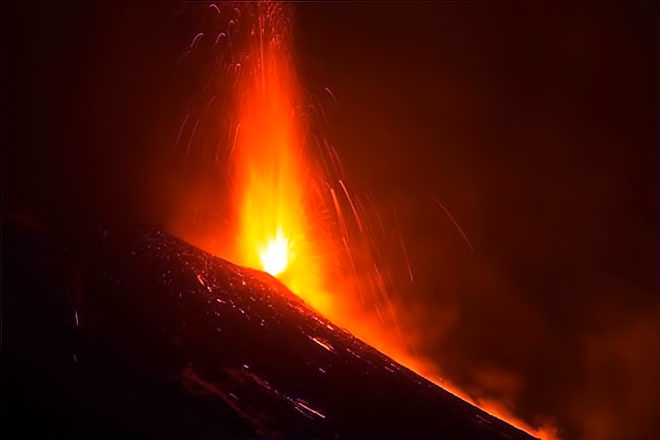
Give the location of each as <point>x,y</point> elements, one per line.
<point>275,181</point>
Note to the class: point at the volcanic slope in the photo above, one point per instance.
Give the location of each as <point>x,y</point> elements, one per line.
<point>131,332</point>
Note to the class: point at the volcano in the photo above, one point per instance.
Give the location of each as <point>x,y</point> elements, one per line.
<point>116,332</point>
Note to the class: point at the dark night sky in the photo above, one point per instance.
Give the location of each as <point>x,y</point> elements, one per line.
<point>536,124</point>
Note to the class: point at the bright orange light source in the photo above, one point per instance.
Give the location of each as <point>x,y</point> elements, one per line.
<point>272,173</point>
<point>275,256</point>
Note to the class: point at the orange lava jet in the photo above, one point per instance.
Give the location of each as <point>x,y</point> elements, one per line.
<point>271,171</point>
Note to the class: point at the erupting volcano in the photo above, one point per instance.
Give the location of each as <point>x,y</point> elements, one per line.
<point>287,215</point>
<point>347,220</point>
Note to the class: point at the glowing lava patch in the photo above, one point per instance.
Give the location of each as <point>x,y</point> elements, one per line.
<point>275,256</point>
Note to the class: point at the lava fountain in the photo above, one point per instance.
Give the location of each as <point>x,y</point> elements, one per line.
<point>271,171</point>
